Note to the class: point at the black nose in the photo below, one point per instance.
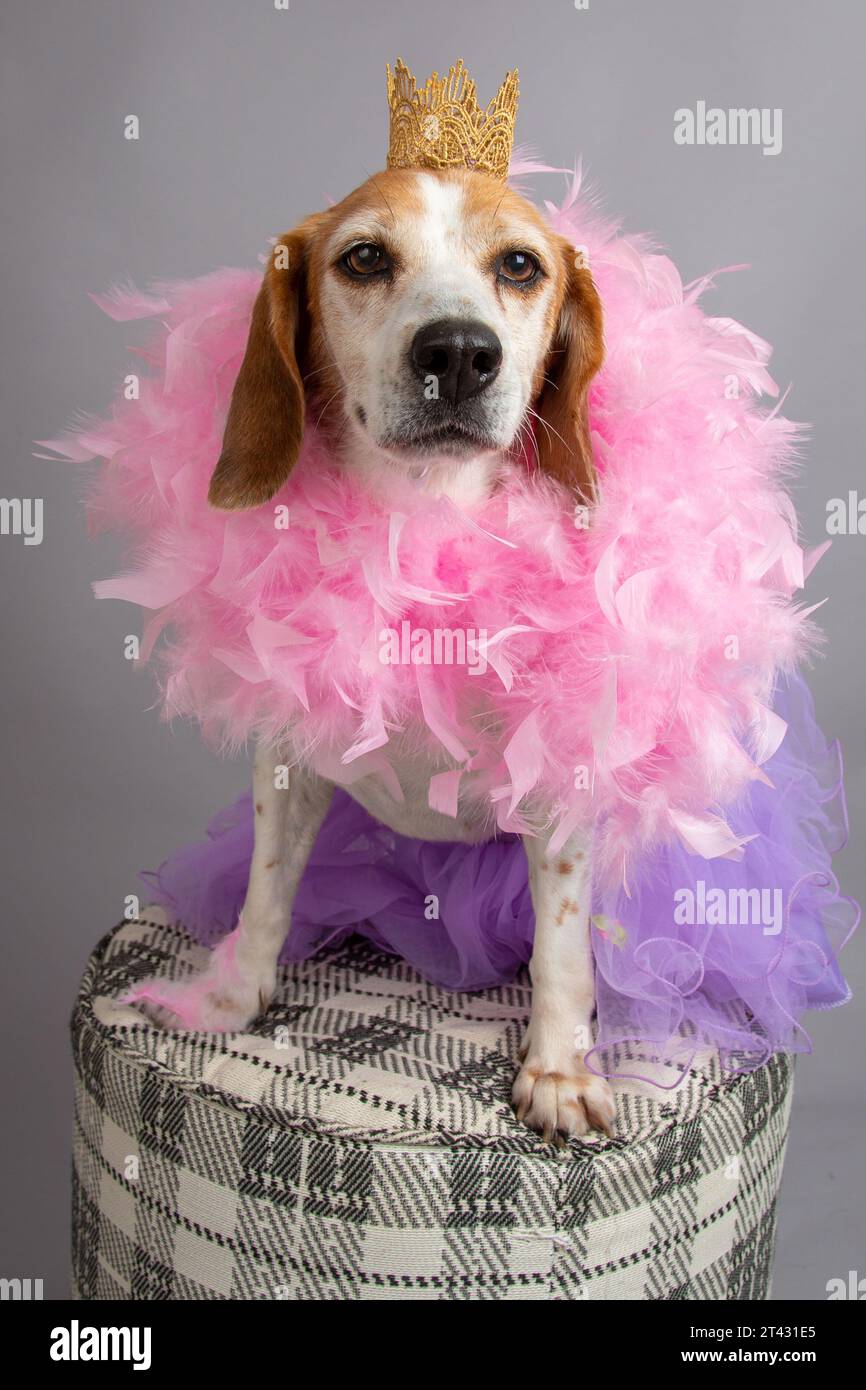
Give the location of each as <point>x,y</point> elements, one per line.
<point>463,356</point>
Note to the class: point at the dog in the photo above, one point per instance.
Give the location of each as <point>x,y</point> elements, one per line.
<point>430,323</point>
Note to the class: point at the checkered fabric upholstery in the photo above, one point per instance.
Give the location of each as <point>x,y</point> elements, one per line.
<point>357,1143</point>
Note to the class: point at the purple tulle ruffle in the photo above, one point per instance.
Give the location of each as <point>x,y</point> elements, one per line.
<point>670,976</point>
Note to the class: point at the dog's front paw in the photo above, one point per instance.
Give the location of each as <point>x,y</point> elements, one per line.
<point>562,1100</point>
<point>223,998</point>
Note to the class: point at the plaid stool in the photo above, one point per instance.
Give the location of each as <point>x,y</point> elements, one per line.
<point>358,1143</point>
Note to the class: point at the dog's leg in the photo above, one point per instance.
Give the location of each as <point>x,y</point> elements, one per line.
<point>554,1092</point>
<point>239,980</point>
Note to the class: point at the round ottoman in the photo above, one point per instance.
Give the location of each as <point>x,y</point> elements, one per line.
<point>357,1143</point>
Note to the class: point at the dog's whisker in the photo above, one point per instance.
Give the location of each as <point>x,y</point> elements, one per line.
<point>547,425</point>
<point>526,433</point>
<point>375,182</point>
<point>328,402</point>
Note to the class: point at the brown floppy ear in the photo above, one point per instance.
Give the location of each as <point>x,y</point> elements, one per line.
<point>265,423</point>
<point>577,352</point>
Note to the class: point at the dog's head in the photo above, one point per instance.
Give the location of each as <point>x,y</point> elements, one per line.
<point>427,320</point>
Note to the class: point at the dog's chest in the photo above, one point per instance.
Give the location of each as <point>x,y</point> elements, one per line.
<point>414,816</point>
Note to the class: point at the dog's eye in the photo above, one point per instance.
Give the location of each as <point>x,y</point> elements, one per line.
<point>365,259</point>
<point>519,268</point>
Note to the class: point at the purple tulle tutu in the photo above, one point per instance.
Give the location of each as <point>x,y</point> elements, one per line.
<point>698,953</point>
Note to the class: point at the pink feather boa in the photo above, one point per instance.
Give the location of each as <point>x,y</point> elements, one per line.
<point>643,649</point>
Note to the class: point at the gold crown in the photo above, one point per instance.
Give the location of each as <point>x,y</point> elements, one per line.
<point>443,127</point>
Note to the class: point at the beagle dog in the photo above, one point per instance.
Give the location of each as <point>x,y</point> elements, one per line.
<point>429,323</point>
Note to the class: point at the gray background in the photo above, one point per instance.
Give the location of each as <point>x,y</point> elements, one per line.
<point>251,118</point>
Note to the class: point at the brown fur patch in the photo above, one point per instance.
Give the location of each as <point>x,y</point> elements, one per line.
<point>265,423</point>
<point>577,352</point>
<point>567,908</point>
